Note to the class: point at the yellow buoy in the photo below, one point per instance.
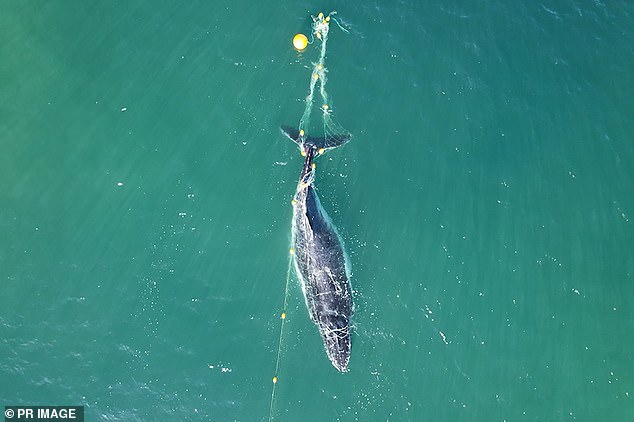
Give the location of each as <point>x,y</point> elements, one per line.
<point>300,42</point>
<point>283,315</point>
<point>274,380</point>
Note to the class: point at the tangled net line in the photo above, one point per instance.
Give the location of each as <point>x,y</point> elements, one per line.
<point>321,27</point>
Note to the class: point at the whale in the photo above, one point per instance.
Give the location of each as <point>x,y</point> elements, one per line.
<point>319,255</point>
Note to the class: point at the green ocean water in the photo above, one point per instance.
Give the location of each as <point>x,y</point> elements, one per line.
<point>486,201</point>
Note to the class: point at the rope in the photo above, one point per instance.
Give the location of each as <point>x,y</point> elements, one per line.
<point>320,29</point>
<point>279,344</point>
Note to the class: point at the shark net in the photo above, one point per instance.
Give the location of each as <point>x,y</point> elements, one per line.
<point>333,135</point>
<point>319,74</point>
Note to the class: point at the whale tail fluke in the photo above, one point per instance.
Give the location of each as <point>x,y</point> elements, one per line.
<point>317,143</point>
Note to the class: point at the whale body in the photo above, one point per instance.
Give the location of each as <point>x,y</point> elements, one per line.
<point>319,255</point>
